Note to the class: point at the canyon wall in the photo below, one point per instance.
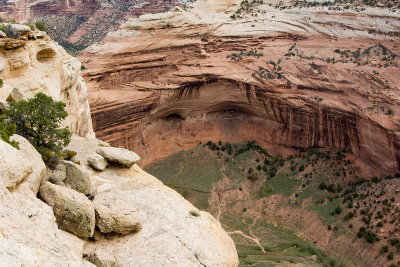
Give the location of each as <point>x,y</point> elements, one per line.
<point>288,78</point>
<point>77,24</point>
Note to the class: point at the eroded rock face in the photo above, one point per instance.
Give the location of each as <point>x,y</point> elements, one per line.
<point>38,64</point>
<point>73,211</point>
<point>283,79</point>
<point>113,214</point>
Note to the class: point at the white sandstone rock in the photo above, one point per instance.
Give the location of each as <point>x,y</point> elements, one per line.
<point>119,155</point>
<point>29,235</point>
<point>20,28</point>
<point>38,167</point>
<point>14,166</point>
<point>115,214</point>
<point>3,105</point>
<point>97,162</point>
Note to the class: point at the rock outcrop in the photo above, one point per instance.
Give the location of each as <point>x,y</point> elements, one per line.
<point>36,64</point>
<point>73,210</point>
<point>169,234</point>
<point>78,178</point>
<point>15,166</point>
<point>29,234</point>
<point>98,162</point>
<point>77,23</point>
<point>120,156</point>
<point>114,214</point>
<point>38,167</point>
<point>294,77</point>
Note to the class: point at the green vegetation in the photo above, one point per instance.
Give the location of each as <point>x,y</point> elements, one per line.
<point>239,57</point>
<point>38,120</point>
<point>6,131</point>
<point>323,184</point>
<point>41,26</point>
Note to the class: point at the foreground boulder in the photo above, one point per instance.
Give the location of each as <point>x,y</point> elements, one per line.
<point>14,165</point>
<point>97,162</point>
<point>78,178</point>
<point>120,156</point>
<point>115,214</point>
<point>73,211</point>
<point>29,235</point>
<point>38,166</point>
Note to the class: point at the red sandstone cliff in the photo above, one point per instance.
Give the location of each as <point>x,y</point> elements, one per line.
<point>77,24</point>
<point>287,78</point>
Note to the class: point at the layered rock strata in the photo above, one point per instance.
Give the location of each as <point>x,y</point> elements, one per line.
<point>76,23</point>
<point>290,78</point>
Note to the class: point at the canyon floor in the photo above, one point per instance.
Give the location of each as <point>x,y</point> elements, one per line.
<point>312,208</point>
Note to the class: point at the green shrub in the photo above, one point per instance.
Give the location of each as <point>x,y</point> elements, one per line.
<point>338,210</point>
<point>38,120</point>
<point>69,154</point>
<point>390,256</point>
<point>348,216</point>
<point>331,188</point>
<point>41,26</point>
<point>265,190</point>
<point>322,186</point>
<point>7,130</point>
<point>252,177</point>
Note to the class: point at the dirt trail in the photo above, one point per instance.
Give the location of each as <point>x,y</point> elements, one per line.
<point>252,238</point>
<point>180,169</point>
<point>221,200</point>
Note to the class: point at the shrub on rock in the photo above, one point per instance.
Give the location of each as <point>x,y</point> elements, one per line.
<point>38,120</point>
